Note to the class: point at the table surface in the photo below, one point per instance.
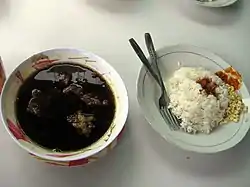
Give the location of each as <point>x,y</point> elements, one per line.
<point>142,159</point>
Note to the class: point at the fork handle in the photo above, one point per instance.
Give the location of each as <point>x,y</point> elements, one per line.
<point>153,56</point>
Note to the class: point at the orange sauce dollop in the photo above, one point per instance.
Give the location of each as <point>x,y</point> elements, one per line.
<point>231,76</point>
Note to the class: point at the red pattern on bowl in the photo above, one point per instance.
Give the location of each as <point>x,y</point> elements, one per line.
<point>2,75</point>
<point>81,162</point>
<point>43,63</point>
<point>17,132</point>
<point>19,76</point>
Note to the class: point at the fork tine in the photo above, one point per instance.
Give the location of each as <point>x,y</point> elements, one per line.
<point>172,117</point>
<point>166,118</point>
<point>175,120</point>
<point>166,111</point>
<point>169,114</point>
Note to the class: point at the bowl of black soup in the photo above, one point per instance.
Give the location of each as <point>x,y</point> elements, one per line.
<point>67,107</point>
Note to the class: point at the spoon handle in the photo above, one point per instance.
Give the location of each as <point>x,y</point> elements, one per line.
<point>143,58</point>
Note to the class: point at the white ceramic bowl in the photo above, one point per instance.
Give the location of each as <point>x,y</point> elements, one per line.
<point>216,3</point>
<point>148,94</point>
<point>41,60</point>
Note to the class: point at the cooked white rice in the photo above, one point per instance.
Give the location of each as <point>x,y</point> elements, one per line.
<point>198,111</point>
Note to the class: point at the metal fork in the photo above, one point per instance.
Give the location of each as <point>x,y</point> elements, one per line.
<point>147,64</point>
<point>164,99</point>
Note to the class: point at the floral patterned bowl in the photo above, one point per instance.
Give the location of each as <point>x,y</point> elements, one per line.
<point>41,60</point>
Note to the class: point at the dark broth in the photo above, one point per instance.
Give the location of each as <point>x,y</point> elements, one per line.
<point>65,107</point>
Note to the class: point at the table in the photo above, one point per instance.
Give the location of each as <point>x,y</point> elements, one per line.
<point>142,159</point>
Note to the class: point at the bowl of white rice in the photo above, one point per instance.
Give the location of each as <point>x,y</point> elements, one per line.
<point>213,116</point>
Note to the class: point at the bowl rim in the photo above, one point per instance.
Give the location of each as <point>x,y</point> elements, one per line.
<point>80,155</point>
<point>216,4</point>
